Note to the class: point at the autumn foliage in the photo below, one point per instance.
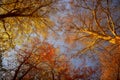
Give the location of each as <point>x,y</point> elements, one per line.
<point>41,63</point>
<point>35,29</point>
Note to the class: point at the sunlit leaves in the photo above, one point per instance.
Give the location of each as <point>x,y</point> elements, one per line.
<point>5,41</point>
<point>23,18</point>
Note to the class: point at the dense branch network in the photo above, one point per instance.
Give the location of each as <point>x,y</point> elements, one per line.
<point>16,17</point>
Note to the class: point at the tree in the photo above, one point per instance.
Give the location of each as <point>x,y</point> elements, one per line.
<point>41,62</point>
<point>20,18</point>
<point>110,63</point>
<point>96,25</point>
<point>103,26</point>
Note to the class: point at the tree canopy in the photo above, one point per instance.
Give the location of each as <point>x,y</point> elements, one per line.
<point>20,18</point>
<point>48,36</point>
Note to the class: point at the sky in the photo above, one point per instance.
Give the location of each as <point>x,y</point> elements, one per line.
<point>58,40</point>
